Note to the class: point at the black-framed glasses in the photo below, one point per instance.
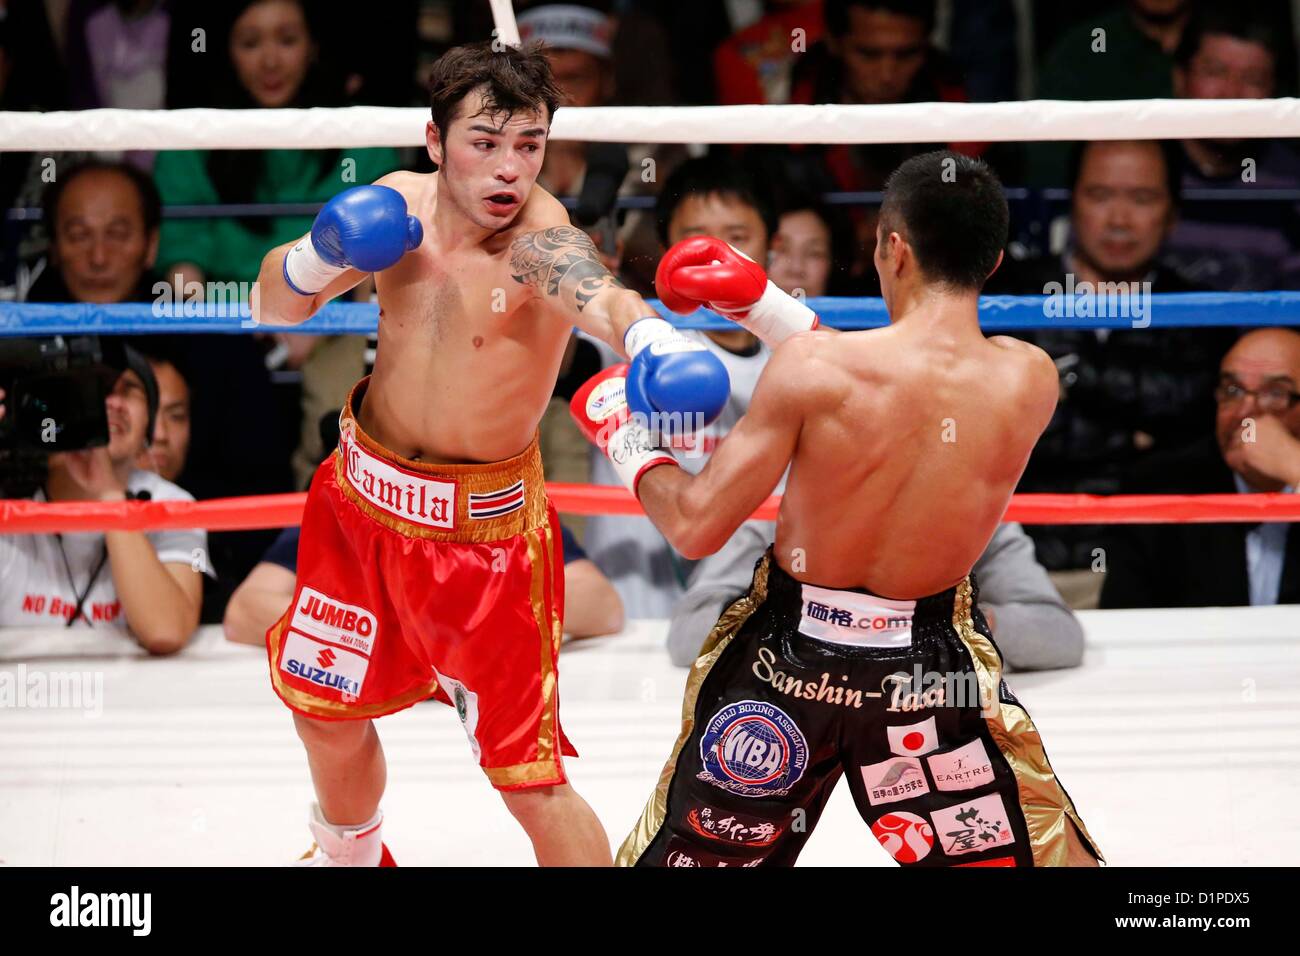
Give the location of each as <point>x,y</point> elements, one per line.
<point>1271,398</point>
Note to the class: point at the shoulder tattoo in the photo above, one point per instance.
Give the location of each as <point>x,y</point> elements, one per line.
<point>561,261</point>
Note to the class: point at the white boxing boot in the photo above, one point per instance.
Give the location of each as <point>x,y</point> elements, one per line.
<point>346,846</point>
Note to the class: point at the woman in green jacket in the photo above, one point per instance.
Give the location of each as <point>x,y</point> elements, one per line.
<point>274,63</point>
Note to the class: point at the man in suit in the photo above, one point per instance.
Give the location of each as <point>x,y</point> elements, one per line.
<point>1257,431</point>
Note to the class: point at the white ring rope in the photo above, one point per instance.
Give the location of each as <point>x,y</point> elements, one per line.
<point>361,126</point>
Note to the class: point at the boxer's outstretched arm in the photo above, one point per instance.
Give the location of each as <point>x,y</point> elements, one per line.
<point>361,231</point>
<point>698,514</point>
<point>277,304</point>
<point>561,264</point>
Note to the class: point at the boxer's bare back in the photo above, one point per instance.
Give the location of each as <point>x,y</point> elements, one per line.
<point>904,444</point>
<point>909,450</point>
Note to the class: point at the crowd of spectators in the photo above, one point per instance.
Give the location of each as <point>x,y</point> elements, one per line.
<point>1143,409</point>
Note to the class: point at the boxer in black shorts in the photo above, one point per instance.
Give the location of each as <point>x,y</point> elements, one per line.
<point>904,698</point>
<point>903,446</point>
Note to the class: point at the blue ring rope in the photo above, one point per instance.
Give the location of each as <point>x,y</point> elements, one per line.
<point>997,313</point>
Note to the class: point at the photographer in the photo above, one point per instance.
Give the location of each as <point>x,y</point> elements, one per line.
<point>169,443</point>
<point>144,583</point>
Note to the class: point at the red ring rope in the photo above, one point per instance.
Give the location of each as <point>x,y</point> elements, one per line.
<point>280,511</point>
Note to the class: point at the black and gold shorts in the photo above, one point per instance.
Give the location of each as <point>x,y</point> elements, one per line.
<point>799,684</point>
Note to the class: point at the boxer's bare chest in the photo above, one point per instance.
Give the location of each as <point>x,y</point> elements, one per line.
<point>450,300</point>
<point>457,336</point>
<point>448,293</point>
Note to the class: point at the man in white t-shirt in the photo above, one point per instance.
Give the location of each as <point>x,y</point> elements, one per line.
<point>142,585</point>
<point>703,197</point>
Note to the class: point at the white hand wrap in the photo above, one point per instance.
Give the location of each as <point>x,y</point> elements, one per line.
<point>775,317</point>
<point>632,452</point>
<point>646,332</point>
<point>305,271</point>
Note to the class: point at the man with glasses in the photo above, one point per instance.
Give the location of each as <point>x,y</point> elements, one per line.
<point>1257,431</point>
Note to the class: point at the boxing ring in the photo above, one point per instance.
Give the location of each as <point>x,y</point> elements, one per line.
<point>1179,737</point>
<point>1179,740</point>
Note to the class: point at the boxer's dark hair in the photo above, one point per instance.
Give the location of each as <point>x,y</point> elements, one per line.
<point>952,212</point>
<point>514,79</point>
<point>1171,154</point>
<point>713,175</point>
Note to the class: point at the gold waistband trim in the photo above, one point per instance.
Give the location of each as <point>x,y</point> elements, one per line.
<point>441,502</point>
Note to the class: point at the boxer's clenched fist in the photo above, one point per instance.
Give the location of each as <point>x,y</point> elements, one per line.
<point>601,411</point>
<point>704,271</point>
<point>674,383</point>
<point>365,228</point>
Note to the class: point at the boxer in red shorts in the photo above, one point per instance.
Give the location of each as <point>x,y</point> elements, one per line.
<point>429,563</point>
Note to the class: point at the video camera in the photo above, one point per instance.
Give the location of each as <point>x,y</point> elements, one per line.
<point>55,390</point>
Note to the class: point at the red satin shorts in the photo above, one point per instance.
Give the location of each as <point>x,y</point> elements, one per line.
<point>418,581</point>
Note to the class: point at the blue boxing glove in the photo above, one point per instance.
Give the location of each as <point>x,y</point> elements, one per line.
<point>674,382</point>
<point>364,228</point>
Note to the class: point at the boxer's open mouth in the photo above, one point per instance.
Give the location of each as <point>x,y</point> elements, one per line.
<point>503,200</point>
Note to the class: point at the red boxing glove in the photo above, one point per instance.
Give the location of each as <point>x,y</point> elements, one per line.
<point>600,409</point>
<point>705,271</point>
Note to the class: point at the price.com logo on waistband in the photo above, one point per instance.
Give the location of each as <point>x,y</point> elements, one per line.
<point>861,620</point>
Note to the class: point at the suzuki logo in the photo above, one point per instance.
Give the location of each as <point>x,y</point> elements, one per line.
<point>325,658</point>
